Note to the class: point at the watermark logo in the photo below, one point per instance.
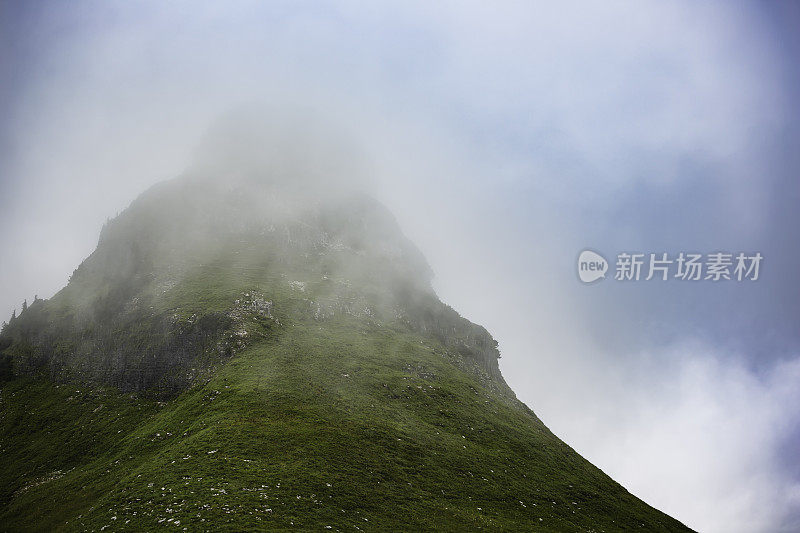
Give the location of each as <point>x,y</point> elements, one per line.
<point>684,266</point>
<point>591,266</point>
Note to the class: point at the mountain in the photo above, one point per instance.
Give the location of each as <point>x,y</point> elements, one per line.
<point>242,353</point>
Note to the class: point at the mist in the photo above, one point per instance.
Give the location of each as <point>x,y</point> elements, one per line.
<point>504,140</point>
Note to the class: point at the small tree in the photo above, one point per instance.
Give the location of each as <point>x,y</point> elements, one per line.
<point>24,305</point>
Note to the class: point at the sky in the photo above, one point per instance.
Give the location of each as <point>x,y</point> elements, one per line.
<point>506,139</point>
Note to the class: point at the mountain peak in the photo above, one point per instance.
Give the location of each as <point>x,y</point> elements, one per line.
<point>242,353</point>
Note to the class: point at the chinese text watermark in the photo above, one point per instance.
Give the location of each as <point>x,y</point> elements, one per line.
<point>683,266</point>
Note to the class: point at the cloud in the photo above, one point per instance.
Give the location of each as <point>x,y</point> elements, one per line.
<point>506,139</point>
<point>699,437</point>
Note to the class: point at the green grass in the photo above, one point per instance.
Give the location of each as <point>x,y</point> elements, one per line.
<point>339,423</point>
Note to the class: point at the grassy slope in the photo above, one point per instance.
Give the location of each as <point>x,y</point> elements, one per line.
<point>342,423</point>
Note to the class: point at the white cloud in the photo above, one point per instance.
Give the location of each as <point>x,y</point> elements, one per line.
<point>464,108</point>
<point>699,438</point>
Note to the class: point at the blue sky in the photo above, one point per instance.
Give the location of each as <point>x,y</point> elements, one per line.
<point>506,140</point>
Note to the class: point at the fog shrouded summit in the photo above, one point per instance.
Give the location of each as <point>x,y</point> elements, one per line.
<point>273,193</point>
<point>256,344</point>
